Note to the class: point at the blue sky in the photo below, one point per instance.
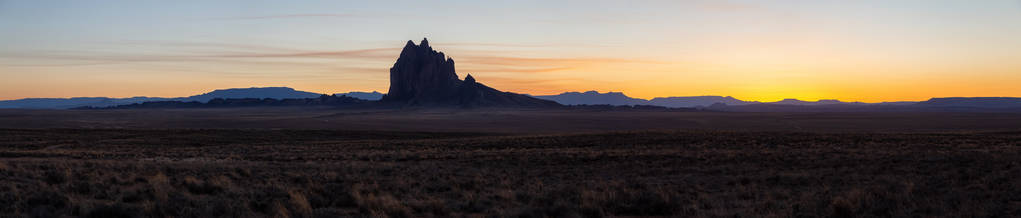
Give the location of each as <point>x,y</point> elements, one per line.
<point>755,50</point>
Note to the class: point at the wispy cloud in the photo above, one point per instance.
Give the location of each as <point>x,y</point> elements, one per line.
<point>287,16</point>
<point>203,45</point>
<point>513,45</point>
<point>360,53</point>
<point>72,60</point>
<point>506,65</point>
<point>726,6</point>
<point>280,58</point>
<point>473,44</point>
<point>512,70</point>
<point>274,56</point>
<point>526,82</point>
<point>382,70</point>
<point>530,85</point>
<point>526,61</point>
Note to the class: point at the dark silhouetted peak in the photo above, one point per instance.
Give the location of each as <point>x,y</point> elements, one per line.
<point>423,76</point>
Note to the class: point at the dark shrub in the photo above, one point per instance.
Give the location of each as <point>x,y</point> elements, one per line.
<point>56,176</point>
<point>47,198</point>
<point>113,211</point>
<point>196,186</point>
<point>81,187</point>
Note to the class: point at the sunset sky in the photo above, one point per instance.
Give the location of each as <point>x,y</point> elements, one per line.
<point>753,50</point>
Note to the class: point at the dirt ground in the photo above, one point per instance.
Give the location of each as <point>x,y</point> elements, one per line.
<point>329,173</point>
<point>506,120</point>
<point>322,162</point>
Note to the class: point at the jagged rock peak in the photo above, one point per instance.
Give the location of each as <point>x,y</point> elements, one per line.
<point>422,76</point>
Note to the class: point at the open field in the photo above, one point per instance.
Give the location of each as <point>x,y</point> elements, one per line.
<point>507,120</point>
<point>328,173</point>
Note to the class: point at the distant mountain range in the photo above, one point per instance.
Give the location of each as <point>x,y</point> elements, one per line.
<point>727,103</point>
<point>956,104</point>
<point>697,101</point>
<point>986,102</point>
<point>235,93</point>
<point>717,103</point>
<point>264,92</point>
<point>593,98</point>
<point>617,98</point>
<point>322,100</point>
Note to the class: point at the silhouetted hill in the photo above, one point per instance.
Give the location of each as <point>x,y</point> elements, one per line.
<point>322,100</point>
<point>593,98</point>
<point>422,76</point>
<point>978,104</point>
<point>975,102</point>
<point>697,101</point>
<point>372,96</point>
<point>64,103</point>
<point>234,93</point>
<point>808,107</point>
<point>618,98</point>
<point>791,101</point>
<point>254,92</point>
<point>720,103</point>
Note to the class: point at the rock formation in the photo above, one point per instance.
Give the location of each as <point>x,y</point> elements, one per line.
<point>424,77</point>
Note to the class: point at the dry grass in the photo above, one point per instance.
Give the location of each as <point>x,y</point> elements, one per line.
<point>250,173</point>
<point>300,204</point>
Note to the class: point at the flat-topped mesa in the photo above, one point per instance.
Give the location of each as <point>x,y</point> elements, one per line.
<point>425,77</point>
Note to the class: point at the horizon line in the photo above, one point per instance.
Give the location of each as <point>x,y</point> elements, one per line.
<point>564,92</point>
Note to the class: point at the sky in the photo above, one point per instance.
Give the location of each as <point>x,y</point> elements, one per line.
<point>870,50</point>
